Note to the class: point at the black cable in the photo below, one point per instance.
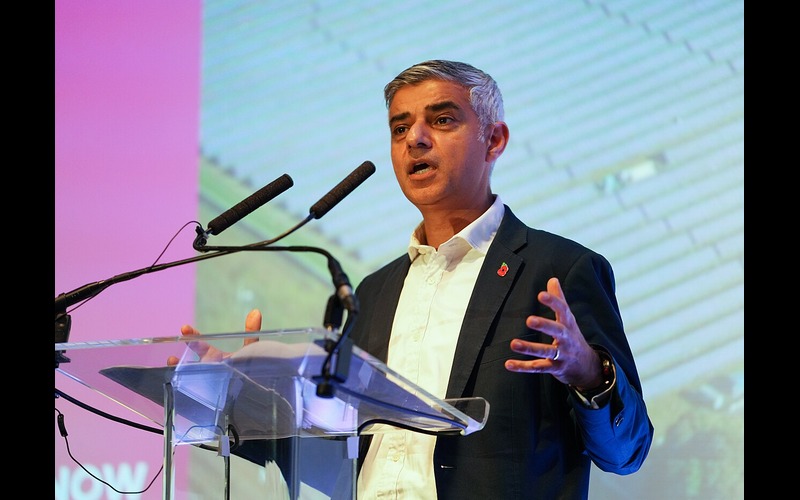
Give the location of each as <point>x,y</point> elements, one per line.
<point>453,432</point>
<point>63,430</point>
<point>107,415</point>
<point>391,406</point>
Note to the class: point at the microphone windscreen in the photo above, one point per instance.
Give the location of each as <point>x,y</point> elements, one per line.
<point>342,189</point>
<point>252,202</point>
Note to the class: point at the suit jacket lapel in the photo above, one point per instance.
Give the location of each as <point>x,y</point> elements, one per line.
<point>488,295</point>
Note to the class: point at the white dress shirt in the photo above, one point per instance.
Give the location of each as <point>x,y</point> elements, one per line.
<point>436,292</point>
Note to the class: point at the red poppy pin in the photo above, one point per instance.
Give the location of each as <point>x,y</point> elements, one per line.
<point>503,269</point>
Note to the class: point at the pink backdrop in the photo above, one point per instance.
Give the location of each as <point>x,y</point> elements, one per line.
<point>127,79</point>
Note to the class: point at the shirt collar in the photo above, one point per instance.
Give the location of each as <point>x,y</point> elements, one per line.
<point>477,235</point>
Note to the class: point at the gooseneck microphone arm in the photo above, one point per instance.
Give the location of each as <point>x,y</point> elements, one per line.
<point>216,226</point>
<point>336,364</point>
<point>64,300</point>
<point>67,299</point>
<point>341,283</point>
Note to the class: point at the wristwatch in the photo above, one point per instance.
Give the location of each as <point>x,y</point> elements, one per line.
<point>597,397</point>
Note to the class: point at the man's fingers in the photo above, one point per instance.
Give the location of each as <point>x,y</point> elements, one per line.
<point>253,321</point>
<point>554,287</point>
<point>252,324</point>
<point>553,295</point>
<point>189,330</point>
<point>206,352</point>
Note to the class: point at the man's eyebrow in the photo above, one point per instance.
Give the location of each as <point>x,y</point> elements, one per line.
<point>435,107</point>
<point>441,106</point>
<point>399,117</point>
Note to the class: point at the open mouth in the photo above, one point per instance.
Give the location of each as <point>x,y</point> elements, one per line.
<point>420,168</point>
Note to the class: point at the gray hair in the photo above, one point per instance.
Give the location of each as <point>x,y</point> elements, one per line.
<point>484,94</point>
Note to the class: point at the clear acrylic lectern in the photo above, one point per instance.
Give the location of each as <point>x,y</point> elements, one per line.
<point>262,395</point>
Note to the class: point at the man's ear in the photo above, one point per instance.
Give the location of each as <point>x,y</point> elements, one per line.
<point>497,141</point>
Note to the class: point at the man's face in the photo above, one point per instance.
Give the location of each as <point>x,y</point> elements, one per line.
<point>438,158</point>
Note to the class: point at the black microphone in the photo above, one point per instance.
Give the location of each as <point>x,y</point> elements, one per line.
<point>342,189</point>
<point>247,205</point>
<point>344,291</point>
<point>333,314</point>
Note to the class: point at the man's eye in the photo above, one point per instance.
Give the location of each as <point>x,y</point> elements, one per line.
<point>400,130</point>
<point>443,120</point>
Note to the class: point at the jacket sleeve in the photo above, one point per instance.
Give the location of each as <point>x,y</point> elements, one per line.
<point>617,436</point>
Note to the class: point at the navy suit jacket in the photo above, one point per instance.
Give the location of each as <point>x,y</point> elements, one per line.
<point>538,441</point>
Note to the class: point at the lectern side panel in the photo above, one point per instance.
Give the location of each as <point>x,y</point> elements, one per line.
<point>303,467</point>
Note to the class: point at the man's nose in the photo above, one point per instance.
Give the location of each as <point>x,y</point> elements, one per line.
<point>418,135</point>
